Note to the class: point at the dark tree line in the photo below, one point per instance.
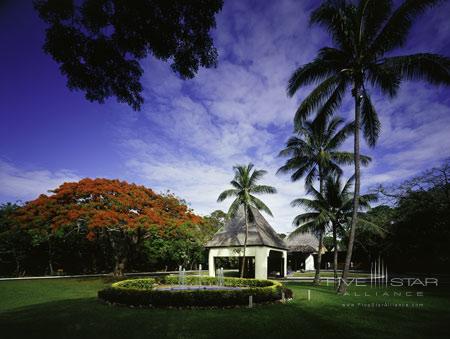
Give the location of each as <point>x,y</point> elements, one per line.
<point>416,224</point>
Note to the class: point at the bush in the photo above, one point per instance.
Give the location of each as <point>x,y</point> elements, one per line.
<point>139,292</point>
<point>139,284</point>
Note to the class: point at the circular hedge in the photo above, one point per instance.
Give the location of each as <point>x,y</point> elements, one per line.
<point>145,292</point>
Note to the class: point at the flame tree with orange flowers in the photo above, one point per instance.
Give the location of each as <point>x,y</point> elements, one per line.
<point>108,213</point>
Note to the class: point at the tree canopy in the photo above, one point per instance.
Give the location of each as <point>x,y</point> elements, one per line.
<point>99,44</point>
<point>101,224</point>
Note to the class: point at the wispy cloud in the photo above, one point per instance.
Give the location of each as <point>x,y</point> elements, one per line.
<point>19,184</point>
<point>193,132</point>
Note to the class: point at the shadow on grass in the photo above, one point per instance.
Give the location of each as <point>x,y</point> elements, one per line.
<point>323,316</point>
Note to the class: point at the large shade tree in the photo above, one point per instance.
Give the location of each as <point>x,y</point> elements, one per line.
<point>117,212</point>
<point>99,43</point>
<point>314,153</point>
<point>245,186</point>
<point>365,35</point>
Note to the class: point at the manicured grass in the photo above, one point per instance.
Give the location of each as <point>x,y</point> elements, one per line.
<point>69,309</point>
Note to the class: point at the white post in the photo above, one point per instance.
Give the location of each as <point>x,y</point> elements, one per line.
<point>211,268</point>
<point>261,254</point>
<point>250,301</point>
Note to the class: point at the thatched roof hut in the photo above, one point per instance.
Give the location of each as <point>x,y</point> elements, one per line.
<point>260,233</point>
<point>302,242</point>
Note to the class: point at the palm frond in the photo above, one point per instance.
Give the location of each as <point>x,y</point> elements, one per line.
<point>310,205</point>
<point>235,184</point>
<point>334,101</point>
<point>256,175</point>
<point>369,120</point>
<point>366,225</point>
<point>342,135</point>
<point>396,29</point>
<point>308,74</point>
<point>348,185</point>
<point>263,189</point>
<point>227,194</point>
<point>373,13</point>
<point>333,16</point>
<point>434,68</point>
<point>234,207</point>
<point>384,78</point>
<point>260,205</point>
<point>315,99</point>
<point>303,227</point>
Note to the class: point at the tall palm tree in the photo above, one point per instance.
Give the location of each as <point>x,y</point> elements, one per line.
<point>331,208</point>
<point>363,35</point>
<point>314,153</point>
<point>244,187</point>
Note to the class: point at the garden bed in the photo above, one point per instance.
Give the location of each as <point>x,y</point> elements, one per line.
<point>196,292</point>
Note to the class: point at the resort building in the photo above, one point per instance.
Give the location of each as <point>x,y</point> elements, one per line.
<point>266,253</point>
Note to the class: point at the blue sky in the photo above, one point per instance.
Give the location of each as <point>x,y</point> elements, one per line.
<point>189,134</point>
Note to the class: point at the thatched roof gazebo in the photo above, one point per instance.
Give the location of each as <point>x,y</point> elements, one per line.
<point>301,247</point>
<point>266,252</point>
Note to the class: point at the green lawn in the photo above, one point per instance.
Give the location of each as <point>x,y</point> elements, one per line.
<point>69,309</point>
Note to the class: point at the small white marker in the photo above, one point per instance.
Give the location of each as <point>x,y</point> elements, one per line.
<point>309,295</point>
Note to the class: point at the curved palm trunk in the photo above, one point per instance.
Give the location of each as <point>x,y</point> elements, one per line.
<point>343,283</point>
<point>245,241</point>
<point>335,259</point>
<point>319,255</point>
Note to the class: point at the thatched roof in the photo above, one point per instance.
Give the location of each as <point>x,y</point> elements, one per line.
<point>260,233</point>
<point>302,242</point>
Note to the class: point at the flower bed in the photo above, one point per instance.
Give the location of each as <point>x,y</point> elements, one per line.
<point>145,292</point>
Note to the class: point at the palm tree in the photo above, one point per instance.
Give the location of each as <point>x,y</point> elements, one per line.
<point>314,153</point>
<point>339,200</point>
<point>363,34</point>
<point>331,208</point>
<point>244,187</point>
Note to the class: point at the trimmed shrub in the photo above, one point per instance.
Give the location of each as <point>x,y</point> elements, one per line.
<point>139,284</point>
<point>139,292</point>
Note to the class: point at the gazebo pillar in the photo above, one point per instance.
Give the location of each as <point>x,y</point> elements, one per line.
<point>211,268</point>
<point>261,262</point>
<point>284,263</point>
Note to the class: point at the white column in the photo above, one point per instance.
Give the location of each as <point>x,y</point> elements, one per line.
<point>309,263</point>
<point>285,262</point>
<point>211,268</point>
<point>261,262</point>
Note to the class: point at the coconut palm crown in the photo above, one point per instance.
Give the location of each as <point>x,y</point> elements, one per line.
<point>314,151</point>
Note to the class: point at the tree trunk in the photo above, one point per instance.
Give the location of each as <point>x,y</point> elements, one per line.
<point>17,261</point>
<point>351,239</point>
<point>245,241</point>
<point>335,259</point>
<point>321,231</point>
<point>50,257</point>
<point>319,259</point>
<point>119,257</point>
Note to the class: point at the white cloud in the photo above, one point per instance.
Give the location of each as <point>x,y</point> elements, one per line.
<point>194,131</point>
<point>19,184</point>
